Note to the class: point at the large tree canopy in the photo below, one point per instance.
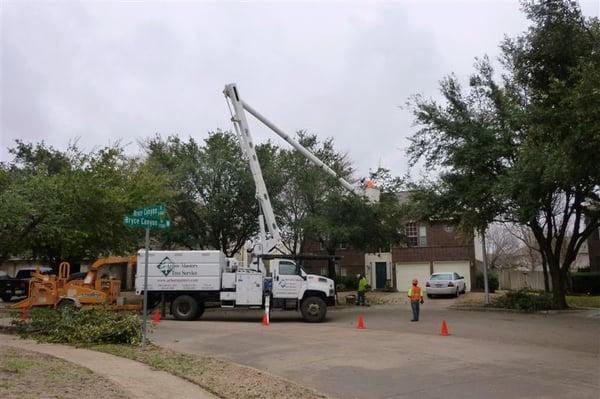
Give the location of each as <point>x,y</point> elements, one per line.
<point>524,148</point>
<point>69,205</point>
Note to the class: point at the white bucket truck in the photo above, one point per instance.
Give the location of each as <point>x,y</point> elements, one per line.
<point>192,281</point>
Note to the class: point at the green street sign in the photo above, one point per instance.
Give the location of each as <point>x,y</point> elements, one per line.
<point>143,223</point>
<point>150,212</point>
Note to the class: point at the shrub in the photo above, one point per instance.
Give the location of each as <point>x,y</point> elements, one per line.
<point>347,282</point>
<point>585,282</point>
<point>525,300</point>
<point>87,326</point>
<point>493,282</point>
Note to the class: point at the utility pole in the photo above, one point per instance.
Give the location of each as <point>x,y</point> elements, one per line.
<point>145,311</point>
<point>486,287</point>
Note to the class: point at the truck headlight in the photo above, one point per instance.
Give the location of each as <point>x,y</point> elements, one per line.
<point>331,292</point>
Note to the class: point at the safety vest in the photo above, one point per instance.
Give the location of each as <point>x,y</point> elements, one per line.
<point>415,294</point>
<point>362,284</point>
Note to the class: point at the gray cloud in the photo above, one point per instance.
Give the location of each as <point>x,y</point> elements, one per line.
<point>124,71</point>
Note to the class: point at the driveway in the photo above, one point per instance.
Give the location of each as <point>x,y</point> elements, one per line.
<point>488,354</point>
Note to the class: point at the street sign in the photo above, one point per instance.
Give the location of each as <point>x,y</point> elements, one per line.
<point>150,212</point>
<point>148,218</point>
<point>144,223</point>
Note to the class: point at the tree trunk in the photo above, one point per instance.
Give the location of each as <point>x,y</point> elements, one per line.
<point>331,265</point>
<point>545,271</point>
<point>559,285</point>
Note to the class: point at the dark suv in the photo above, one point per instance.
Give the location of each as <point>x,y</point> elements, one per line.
<point>19,286</point>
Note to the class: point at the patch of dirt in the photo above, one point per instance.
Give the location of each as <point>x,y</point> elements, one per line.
<point>215,375</point>
<point>25,374</point>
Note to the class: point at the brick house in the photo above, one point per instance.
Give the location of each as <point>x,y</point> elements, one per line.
<point>430,247</point>
<point>594,250</point>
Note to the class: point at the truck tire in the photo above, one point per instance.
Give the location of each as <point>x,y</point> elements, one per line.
<point>6,297</point>
<point>66,306</point>
<point>313,309</point>
<point>184,307</point>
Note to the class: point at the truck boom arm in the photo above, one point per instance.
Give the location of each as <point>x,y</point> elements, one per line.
<point>240,124</point>
<point>241,127</point>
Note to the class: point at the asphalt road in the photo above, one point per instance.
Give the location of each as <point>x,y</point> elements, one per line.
<point>488,354</point>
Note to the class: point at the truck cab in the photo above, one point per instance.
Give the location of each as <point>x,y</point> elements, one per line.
<point>293,289</point>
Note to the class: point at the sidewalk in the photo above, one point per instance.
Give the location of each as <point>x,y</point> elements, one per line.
<point>137,379</point>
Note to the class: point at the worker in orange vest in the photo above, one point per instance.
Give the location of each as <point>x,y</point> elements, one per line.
<point>416,298</point>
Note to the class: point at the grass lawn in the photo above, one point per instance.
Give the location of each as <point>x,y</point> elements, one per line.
<point>25,375</point>
<point>584,301</point>
<point>213,374</point>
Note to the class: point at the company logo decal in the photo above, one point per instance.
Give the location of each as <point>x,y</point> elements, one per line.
<point>166,266</point>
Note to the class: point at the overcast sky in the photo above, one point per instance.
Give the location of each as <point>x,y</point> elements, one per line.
<point>108,71</point>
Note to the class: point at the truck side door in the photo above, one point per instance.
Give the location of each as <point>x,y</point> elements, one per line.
<point>287,281</point>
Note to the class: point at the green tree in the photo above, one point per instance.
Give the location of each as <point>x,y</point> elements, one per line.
<point>69,205</point>
<point>215,198</point>
<point>525,149</point>
<point>303,188</point>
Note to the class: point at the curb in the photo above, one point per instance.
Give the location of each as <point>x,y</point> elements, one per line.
<point>502,310</point>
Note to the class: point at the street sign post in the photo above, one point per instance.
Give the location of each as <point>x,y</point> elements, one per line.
<point>151,217</point>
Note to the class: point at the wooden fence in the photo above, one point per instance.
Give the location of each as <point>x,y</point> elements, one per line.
<point>514,280</point>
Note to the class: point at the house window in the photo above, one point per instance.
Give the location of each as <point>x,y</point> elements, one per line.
<point>343,245</point>
<point>323,270</point>
<point>321,246</point>
<point>422,236</point>
<point>343,272</point>
<point>448,228</point>
<point>412,238</point>
<point>416,236</point>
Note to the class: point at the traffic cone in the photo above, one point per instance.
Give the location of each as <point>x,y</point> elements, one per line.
<point>24,315</point>
<point>361,323</point>
<point>156,317</point>
<point>444,331</point>
<point>265,320</point>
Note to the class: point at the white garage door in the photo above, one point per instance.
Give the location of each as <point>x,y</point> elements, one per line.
<point>461,267</point>
<point>405,272</point>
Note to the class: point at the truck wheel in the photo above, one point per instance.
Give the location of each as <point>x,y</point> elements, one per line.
<point>184,307</point>
<point>313,309</point>
<point>6,297</point>
<point>66,306</point>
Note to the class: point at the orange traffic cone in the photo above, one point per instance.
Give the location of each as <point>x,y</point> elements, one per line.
<point>156,317</point>
<point>265,320</point>
<point>444,331</point>
<point>24,315</point>
<point>361,323</point>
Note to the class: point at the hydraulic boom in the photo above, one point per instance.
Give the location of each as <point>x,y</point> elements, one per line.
<point>270,237</point>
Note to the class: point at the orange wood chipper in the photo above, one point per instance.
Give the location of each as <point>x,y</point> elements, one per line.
<point>66,290</point>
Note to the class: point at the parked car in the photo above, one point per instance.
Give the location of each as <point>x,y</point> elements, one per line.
<point>19,286</point>
<point>449,283</point>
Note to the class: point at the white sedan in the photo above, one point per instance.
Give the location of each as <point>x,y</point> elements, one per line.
<point>445,284</point>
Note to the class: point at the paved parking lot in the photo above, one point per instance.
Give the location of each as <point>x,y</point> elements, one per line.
<point>488,355</point>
